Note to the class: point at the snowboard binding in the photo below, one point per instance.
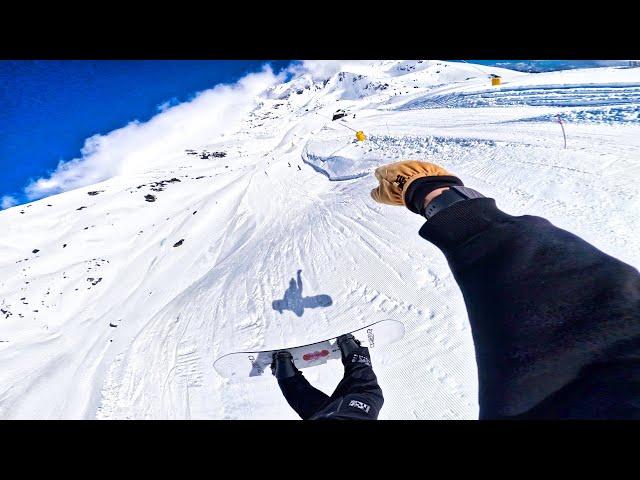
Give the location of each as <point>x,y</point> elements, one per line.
<point>348,344</point>
<point>282,365</point>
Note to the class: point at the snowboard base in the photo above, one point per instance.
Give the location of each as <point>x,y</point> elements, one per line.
<point>253,364</point>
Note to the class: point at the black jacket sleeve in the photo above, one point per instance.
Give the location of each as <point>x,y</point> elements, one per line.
<point>555,321</point>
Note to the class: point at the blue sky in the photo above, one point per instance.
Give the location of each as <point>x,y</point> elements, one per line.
<point>49,108</point>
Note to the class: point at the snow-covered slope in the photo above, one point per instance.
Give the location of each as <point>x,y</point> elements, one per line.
<point>116,298</point>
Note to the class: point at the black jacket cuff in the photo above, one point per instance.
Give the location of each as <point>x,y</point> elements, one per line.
<point>461,221</point>
<point>420,188</point>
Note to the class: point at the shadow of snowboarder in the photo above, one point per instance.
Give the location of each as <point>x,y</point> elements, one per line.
<point>294,301</point>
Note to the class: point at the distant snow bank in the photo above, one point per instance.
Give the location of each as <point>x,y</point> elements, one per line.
<point>339,160</point>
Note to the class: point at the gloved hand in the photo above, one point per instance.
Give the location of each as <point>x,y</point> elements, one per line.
<point>409,182</point>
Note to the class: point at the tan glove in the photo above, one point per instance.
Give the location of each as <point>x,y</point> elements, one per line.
<point>395,179</point>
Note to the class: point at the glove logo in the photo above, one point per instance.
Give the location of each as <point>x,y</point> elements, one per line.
<point>360,359</point>
<point>400,180</point>
<point>360,405</point>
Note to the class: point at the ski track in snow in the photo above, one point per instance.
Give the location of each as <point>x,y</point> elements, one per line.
<point>140,342</point>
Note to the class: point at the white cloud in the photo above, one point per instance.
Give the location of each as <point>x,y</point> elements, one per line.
<point>8,201</point>
<point>323,69</point>
<point>137,146</point>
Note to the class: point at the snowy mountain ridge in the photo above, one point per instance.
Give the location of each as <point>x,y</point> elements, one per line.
<point>116,297</point>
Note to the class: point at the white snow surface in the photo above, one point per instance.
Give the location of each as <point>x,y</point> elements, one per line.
<point>120,324</point>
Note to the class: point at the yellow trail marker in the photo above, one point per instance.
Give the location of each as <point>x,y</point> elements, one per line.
<point>360,136</point>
